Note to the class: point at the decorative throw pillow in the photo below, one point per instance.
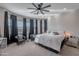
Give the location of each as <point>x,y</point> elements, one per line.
<point>56,33</point>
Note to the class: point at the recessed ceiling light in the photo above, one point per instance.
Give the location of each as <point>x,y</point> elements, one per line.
<point>65,8</point>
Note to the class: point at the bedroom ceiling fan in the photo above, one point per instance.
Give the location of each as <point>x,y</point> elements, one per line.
<point>39,8</point>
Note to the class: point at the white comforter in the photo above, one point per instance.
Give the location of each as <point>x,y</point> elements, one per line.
<point>49,40</point>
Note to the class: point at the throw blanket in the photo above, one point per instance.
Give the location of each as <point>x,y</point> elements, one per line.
<point>49,40</point>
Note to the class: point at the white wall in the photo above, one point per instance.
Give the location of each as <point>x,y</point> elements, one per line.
<point>53,23</point>
<point>65,22</point>
<point>2,21</point>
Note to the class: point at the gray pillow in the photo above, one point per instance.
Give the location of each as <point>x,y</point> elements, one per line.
<point>56,33</point>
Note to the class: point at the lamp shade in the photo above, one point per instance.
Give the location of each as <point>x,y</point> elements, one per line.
<point>67,34</point>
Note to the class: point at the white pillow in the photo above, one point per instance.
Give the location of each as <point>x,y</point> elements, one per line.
<point>52,32</point>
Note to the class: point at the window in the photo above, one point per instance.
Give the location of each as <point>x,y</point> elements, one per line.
<point>20,26</point>
<point>28,27</point>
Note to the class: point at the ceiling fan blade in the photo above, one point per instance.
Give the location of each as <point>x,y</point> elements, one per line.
<point>34,5</point>
<point>31,8</point>
<point>33,11</point>
<point>46,10</point>
<point>46,6</point>
<point>41,4</point>
<point>41,11</point>
<point>37,12</point>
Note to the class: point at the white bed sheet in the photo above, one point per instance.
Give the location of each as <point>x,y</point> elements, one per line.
<point>49,40</point>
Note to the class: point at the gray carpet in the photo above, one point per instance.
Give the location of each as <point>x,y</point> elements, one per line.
<point>27,49</point>
<point>32,49</point>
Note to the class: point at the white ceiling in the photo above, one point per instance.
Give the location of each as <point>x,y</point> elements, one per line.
<point>21,8</point>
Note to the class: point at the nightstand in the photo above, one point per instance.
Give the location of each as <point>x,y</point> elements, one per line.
<point>73,41</point>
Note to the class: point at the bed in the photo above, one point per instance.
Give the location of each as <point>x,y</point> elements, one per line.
<point>50,40</point>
